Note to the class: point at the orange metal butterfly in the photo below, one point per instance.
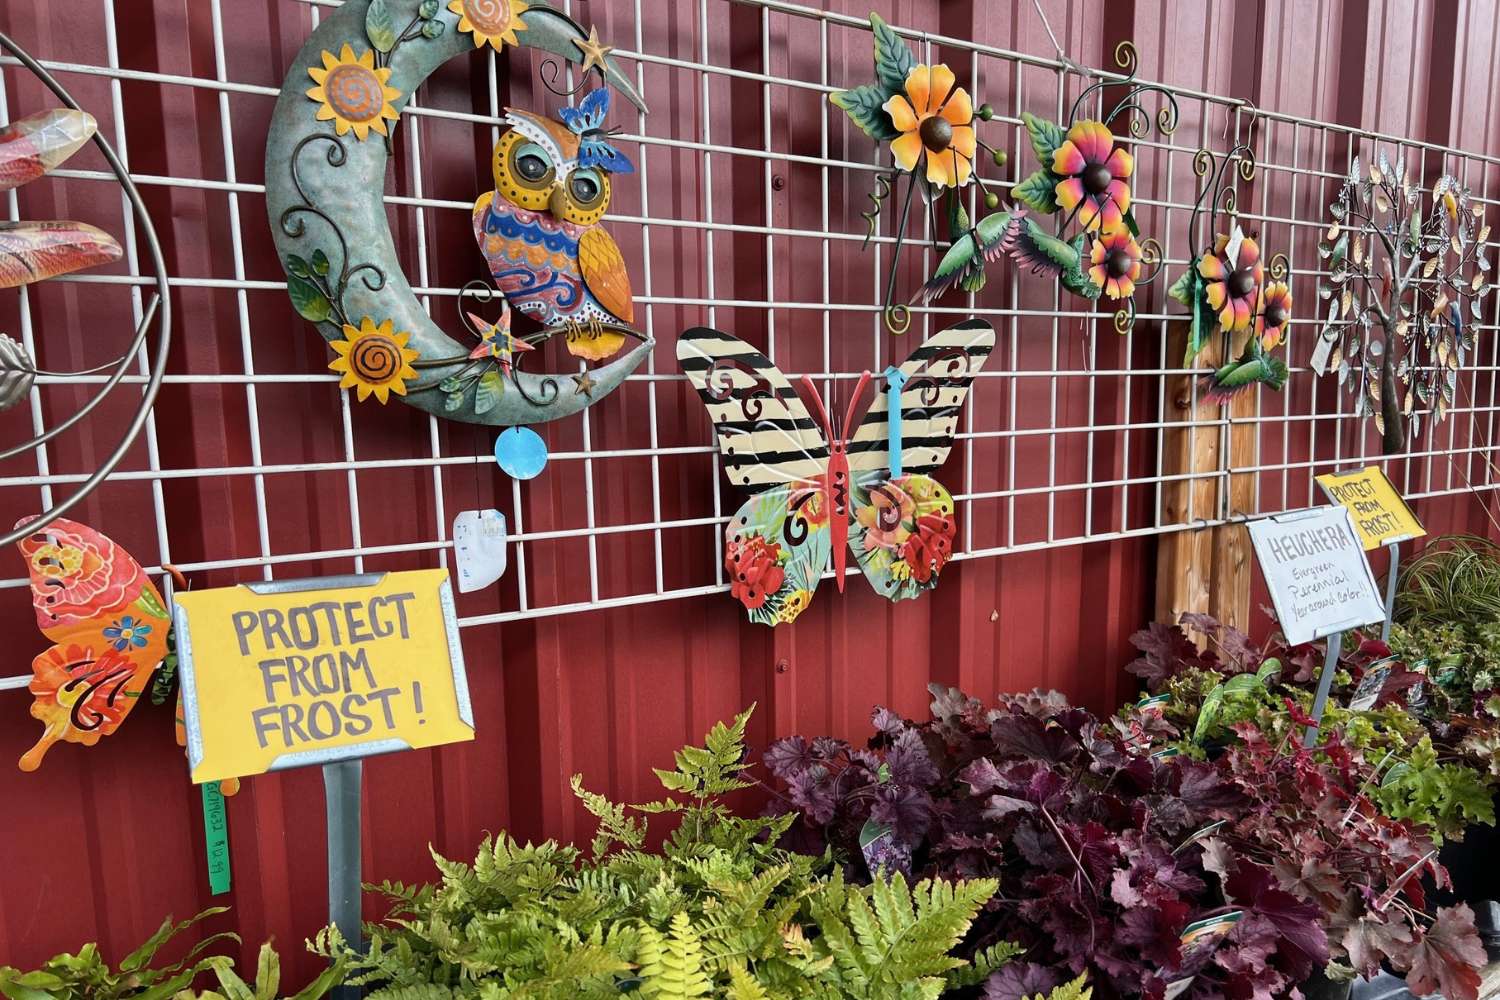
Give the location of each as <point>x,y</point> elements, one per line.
<point>110,627</point>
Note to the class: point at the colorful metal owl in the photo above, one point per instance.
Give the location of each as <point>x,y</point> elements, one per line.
<point>539,228</point>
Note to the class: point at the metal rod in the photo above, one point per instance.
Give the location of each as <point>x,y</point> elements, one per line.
<point>1390,591</point>
<point>341,794</point>
<point>1320,700</point>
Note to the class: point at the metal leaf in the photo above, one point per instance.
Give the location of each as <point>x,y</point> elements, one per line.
<point>37,143</point>
<point>1344,301</point>
<point>36,251</point>
<point>17,373</point>
<point>1359,252</point>
<point>1333,231</point>
<point>1429,267</point>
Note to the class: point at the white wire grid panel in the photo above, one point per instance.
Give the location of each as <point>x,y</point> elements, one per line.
<point>744,214</point>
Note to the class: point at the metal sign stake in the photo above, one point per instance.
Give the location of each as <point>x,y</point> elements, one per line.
<point>341,793</point>
<point>1320,700</point>
<point>1390,589</point>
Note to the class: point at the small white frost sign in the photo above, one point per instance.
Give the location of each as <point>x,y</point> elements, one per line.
<point>479,540</point>
<point>1316,571</point>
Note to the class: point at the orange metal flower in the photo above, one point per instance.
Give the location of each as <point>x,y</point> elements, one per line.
<point>936,122</point>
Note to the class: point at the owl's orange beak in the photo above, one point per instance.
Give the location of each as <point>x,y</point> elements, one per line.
<point>557,204</point>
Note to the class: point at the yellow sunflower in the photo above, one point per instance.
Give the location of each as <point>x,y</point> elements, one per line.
<point>492,21</point>
<point>374,359</point>
<point>353,92</point>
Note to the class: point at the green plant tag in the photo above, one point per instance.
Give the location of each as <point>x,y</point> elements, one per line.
<point>216,837</point>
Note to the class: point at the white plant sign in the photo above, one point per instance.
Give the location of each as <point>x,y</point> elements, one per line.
<point>1316,571</point>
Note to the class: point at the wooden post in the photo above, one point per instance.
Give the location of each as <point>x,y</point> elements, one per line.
<point>1184,574</point>
<point>1206,569</point>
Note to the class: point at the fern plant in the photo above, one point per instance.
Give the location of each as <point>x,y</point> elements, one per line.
<point>718,912</point>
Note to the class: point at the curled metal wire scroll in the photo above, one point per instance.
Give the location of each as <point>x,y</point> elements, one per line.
<point>158,312</point>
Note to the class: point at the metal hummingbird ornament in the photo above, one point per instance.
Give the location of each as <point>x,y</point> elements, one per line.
<point>931,125</point>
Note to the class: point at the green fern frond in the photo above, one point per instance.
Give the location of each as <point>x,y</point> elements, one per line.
<point>984,963</point>
<point>743,986</point>
<point>1076,990</point>
<point>615,824</point>
<point>427,991</point>
<point>672,963</point>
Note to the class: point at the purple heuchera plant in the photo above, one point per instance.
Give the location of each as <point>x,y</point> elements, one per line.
<point>1094,841</point>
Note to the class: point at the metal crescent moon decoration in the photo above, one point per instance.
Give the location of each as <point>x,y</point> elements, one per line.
<point>326,160</point>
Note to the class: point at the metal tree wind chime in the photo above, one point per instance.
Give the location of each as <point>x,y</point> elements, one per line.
<point>1083,178</point>
<point>1225,286</point>
<point>1403,294</point>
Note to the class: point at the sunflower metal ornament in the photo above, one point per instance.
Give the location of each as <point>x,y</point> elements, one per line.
<point>931,124</point>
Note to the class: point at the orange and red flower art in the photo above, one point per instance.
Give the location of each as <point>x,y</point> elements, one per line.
<point>109,625</point>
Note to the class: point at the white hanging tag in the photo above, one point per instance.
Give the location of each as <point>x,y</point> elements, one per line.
<point>479,540</point>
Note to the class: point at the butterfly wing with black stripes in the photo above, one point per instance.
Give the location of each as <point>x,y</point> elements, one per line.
<point>778,544</point>
<point>903,526</point>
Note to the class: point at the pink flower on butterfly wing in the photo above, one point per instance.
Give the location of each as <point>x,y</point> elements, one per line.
<point>888,517</point>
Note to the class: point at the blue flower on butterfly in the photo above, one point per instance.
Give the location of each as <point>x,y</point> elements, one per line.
<point>586,121</point>
<point>127,632</point>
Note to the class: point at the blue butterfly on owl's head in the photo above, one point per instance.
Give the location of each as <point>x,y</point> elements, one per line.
<point>586,121</point>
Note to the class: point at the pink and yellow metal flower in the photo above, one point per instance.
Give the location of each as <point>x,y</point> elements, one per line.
<point>1275,313</point>
<point>936,122</point>
<point>1095,177</point>
<point>1116,263</point>
<point>1232,275</point>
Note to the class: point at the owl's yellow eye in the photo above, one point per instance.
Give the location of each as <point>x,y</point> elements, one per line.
<point>531,165</point>
<point>586,187</point>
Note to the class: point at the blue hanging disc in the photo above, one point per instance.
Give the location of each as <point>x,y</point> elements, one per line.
<point>521,452</point>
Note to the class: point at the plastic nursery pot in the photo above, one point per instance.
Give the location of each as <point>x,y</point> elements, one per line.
<point>1320,987</point>
<point>1476,881</point>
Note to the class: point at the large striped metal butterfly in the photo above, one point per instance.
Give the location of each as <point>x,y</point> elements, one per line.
<point>819,492</point>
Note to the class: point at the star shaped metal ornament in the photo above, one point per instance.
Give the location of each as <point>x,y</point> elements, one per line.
<point>584,384</point>
<point>593,50</point>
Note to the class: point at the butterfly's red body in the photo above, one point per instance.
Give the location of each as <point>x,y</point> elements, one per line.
<point>836,482</point>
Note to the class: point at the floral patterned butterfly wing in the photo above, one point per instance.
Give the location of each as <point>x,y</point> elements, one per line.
<point>902,527</point>
<point>109,625</point>
<point>775,551</point>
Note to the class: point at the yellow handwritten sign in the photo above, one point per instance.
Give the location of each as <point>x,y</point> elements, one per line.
<point>302,672</point>
<point>1380,515</point>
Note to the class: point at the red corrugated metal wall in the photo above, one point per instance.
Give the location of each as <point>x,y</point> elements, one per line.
<point>101,844</point>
